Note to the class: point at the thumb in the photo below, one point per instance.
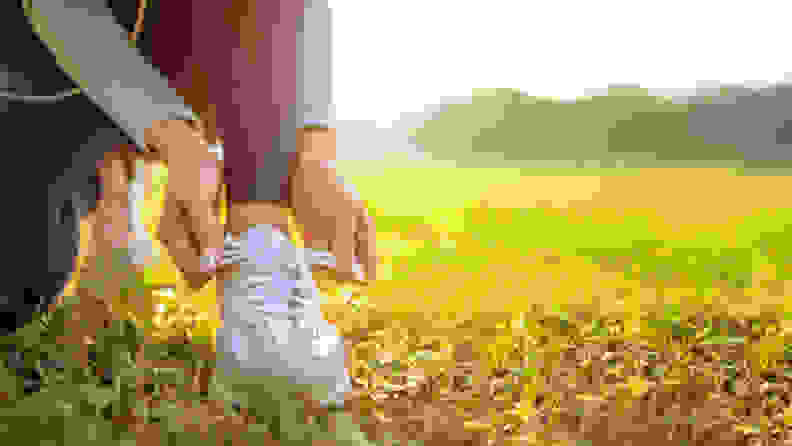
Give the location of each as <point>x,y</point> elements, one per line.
<point>213,249</point>
<point>343,247</point>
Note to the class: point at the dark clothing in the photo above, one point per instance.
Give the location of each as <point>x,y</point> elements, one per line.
<point>52,147</point>
<point>259,104</point>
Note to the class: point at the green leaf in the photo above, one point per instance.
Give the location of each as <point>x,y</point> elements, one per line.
<point>10,384</point>
<point>168,411</point>
<point>599,332</point>
<point>97,396</point>
<point>396,365</point>
<point>174,376</point>
<point>375,363</point>
<point>723,340</point>
<point>708,331</point>
<point>681,331</point>
<point>524,371</point>
<point>422,355</point>
<point>728,363</point>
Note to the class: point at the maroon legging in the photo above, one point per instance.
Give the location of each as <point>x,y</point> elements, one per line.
<point>254,100</point>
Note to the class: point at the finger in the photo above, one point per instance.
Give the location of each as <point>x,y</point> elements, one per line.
<point>343,247</point>
<point>317,244</point>
<point>194,180</point>
<point>366,245</point>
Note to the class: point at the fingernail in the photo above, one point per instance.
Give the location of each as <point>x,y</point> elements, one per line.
<point>210,260</point>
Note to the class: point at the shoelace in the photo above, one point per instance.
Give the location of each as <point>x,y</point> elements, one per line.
<point>291,276</point>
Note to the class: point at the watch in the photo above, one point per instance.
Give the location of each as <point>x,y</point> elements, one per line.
<point>311,125</point>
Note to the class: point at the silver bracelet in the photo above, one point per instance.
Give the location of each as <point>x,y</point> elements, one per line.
<point>316,125</point>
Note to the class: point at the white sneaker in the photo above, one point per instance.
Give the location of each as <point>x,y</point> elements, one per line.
<point>272,323</point>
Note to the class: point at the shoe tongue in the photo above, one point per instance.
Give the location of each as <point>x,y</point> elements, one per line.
<point>266,241</point>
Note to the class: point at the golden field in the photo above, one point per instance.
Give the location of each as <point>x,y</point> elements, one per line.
<point>500,306</point>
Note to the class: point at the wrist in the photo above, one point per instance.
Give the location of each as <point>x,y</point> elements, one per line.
<point>316,144</point>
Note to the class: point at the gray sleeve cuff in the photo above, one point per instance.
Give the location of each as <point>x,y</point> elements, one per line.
<point>93,49</point>
<point>314,69</point>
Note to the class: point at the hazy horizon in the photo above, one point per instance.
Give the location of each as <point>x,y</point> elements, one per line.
<point>412,53</point>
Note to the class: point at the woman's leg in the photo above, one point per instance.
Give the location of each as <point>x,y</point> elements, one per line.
<point>108,272</point>
<point>250,92</point>
<point>98,278</point>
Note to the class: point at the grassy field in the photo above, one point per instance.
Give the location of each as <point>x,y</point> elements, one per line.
<point>704,225</point>
<point>644,247</point>
<point>650,248</point>
<point>520,271</point>
<point>534,305</point>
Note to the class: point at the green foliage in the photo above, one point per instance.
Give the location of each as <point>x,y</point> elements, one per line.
<point>73,407</point>
<point>777,247</point>
<point>628,244</point>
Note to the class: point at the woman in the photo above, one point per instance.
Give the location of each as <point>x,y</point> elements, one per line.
<point>222,78</point>
<point>254,94</point>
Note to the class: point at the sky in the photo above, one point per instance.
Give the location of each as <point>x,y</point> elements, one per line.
<point>391,57</point>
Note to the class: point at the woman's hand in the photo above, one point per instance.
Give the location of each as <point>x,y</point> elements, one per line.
<point>194,179</point>
<point>330,213</point>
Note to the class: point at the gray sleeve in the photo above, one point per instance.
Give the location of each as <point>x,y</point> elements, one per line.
<point>314,63</point>
<point>93,49</point>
